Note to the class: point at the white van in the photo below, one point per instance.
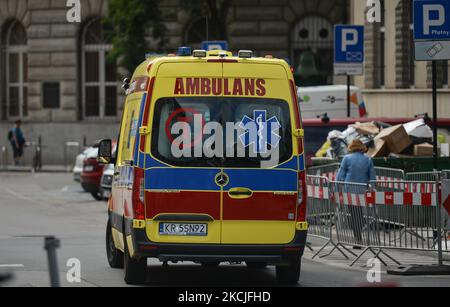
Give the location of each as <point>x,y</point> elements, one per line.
<point>317,100</point>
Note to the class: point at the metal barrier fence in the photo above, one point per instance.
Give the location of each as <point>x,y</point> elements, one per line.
<point>381,216</point>
<point>422,176</point>
<point>329,170</point>
<point>446,174</point>
<point>322,214</point>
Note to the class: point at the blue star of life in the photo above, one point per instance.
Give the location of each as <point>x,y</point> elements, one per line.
<point>265,131</point>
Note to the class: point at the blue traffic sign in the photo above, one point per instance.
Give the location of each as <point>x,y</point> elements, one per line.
<point>432,20</point>
<point>214,45</point>
<point>348,44</point>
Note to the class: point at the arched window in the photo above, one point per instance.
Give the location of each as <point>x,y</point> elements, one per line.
<point>196,32</point>
<point>99,79</point>
<point>16,70</point>
<point>312,51</point>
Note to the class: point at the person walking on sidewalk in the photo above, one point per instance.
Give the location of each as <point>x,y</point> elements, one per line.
<point>356,167</point>
<point>17,140</point>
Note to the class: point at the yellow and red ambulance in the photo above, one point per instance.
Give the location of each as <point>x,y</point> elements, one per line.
<point>192,180</point>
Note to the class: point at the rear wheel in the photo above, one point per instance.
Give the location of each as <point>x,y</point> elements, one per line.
<point>289,274</point>
<point>135,269</point>
<point>115,256</point>
<point>256,265</point>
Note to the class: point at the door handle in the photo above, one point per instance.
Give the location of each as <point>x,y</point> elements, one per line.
<point>240,193</point>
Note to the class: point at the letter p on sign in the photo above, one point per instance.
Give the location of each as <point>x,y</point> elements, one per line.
<point>430,20</point>
<point>349,38</point>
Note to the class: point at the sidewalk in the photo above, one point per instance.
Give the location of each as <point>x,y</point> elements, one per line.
<point>28,168</point>
<point>338,260</point>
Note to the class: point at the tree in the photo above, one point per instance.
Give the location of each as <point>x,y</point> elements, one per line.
<point>215,10</point>
<point>132,21</point>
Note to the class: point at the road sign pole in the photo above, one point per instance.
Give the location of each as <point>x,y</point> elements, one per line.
<point>348,97</point>
<point>435,134</point>
<point>435,162</point>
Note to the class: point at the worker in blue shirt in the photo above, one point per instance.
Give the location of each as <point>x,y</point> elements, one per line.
<point>356,168</point>
<point>17,141</point>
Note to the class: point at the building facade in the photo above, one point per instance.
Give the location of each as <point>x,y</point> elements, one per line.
<point>394,83</point>
<point>55,76</point>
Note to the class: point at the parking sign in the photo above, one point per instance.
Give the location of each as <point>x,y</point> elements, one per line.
<point>348,50</point>
<point>432,30</point>
<point>214,45</point>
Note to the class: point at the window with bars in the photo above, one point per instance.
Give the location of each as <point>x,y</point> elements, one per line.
<point>100,86</point>
<point>312,51</point>
<point>16,71</point>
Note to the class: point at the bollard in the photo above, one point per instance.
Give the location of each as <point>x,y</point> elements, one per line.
<point>4,158</point>
<point>50,245</point>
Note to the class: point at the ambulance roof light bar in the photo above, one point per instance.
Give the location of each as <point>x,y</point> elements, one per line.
<point>199,53</point>
<point>184,51</point>
<point>245,54</point>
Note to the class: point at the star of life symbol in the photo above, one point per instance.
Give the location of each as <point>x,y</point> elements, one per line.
<point>266,131</point>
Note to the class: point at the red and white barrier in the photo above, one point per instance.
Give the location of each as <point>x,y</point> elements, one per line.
<point>317,192</point>
<point>401,199</point>
<point>349,199</point>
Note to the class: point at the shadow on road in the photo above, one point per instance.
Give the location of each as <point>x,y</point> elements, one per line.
<point>195,275</point>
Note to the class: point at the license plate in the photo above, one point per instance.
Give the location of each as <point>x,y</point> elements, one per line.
<point>183,229</point>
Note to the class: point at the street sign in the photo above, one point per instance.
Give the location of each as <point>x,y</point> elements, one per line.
<point>214,45</point>
<point>432,30</point>
<point>348,50</point>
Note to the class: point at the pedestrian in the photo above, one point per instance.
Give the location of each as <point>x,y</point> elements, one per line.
<point>17,140</point>
<point>356,167</point>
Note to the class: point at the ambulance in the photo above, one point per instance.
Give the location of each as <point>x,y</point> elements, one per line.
<point>209,166</point>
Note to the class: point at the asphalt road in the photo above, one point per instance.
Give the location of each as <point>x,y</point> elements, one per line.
<point>33,206</point>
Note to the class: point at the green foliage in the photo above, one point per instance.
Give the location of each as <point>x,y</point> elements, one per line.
<point>131,21</point>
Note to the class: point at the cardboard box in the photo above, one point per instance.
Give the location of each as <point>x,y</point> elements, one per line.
<point>396,138</point>
<point>423,150</point>
<point>379,150</point>
<point>366,128</point>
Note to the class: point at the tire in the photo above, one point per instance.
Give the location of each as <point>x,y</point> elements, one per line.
<point>289,274</point>
<point>135,269</point>
<point>85,188</point>
<point>115,256</point>
<point>97,196</point>
<point>256,265</point>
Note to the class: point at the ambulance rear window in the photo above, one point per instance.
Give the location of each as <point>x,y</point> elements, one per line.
<point>221,132</point>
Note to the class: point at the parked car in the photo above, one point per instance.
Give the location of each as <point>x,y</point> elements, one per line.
<point>106,181</point>
<point>90,152</point>
<point>91,175</point>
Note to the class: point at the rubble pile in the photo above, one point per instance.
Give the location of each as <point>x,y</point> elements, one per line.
<point>382,140</point>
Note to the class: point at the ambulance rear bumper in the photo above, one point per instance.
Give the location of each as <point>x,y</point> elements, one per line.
<point>271,254</point>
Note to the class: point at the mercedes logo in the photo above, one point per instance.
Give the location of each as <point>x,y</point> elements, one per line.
<point>222,179</point>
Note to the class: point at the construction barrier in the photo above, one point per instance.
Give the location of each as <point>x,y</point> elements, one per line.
<point>329,171</point>
<point>386,214</point>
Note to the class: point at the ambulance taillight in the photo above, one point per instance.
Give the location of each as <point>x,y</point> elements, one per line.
<point>138,194</point>
<point>302,197</point>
